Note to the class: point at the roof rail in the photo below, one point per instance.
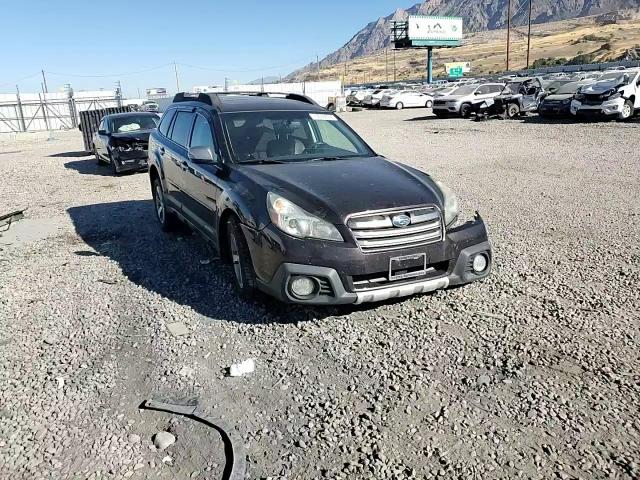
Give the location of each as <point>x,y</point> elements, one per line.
<point>192,97</point>
<point>213,99</point>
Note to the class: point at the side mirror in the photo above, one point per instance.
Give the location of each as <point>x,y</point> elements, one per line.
<point>477,92</point>
<point>203,156</point>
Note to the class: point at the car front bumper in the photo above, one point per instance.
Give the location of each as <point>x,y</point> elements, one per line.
<point>448,108</point>
<point>339,267</point>
<point>130,161</point>
<point>554,109</point>
<point>605,109</point>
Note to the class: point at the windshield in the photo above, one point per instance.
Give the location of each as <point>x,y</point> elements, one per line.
<point>622,77</point>
<point>568,88</point>
<point>466,90</point>
<point>134,123</point>
<point>291,136</point>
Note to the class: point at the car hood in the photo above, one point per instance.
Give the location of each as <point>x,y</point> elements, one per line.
<point>335,189</point>
<point>137,136</point>
<point>452,98</point>
<point>558,97</point>
<point>601,87</point>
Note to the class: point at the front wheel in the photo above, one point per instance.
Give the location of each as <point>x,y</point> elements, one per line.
<point>167,220</point>
<point>244,277</point>
<point>513,110</point>
<point>627,111</point>
<point>465,110</point>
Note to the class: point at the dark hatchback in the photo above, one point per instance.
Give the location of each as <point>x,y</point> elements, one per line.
<point>122,140</point>
<point>302,207</point>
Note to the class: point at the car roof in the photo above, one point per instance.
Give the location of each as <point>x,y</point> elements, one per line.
<point>251,102</point>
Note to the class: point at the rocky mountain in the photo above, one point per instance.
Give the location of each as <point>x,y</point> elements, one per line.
<point>478,15</point>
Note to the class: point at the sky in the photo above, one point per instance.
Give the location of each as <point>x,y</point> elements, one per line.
<point>91,44</point>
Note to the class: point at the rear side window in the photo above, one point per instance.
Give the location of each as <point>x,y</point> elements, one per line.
<point>166,122</point>
<point>201,136</point>
<point>182,128</point>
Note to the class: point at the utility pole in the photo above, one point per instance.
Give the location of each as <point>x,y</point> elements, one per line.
<point>508,32</point>
<point>175,69</point>
<point>386,63</point>
<point>394,64</point>
<point>44,82</point>
<point>529,36</point>
<point>23,127</point>
<point>318,64</point>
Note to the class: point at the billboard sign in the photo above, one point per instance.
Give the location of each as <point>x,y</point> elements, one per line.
<point>457,69</point>
<point>435,31</point>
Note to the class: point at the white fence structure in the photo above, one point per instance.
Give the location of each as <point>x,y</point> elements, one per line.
<point>320,92</point>
<point>31,112</point>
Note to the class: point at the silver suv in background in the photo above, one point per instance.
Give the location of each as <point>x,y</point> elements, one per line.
<point>461,100</point>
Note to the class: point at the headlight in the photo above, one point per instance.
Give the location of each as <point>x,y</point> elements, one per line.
<point>296,222</point>
<point>567,101</point>
<point>580,97</point>
<point>615,96</point>
<point>451,210</point>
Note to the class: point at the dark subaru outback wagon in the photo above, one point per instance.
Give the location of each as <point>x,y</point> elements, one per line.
<point>302,208</point>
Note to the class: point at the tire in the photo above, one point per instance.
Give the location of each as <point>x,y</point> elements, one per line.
<point>244,277</point>
<point>465,110</point>
<point>168,221</point>
<point>627,111</point>
<point>429,104</point>
<point>513,110</point>
<point>399,106</point>
<point>114,167</point>
<point>99,160</point>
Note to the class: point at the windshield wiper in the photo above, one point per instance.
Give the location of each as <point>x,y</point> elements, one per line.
<point>261,162</point>
<point>332,159</point>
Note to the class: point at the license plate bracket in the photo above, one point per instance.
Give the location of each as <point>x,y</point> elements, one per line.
<point>408,266</point>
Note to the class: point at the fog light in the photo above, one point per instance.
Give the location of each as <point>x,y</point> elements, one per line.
<point>480,263</point>
<point>303,286</point>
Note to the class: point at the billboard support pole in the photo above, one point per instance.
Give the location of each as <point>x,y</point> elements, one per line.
<point>508,32</point>
<point>529,35</point>
<point>430,65</point>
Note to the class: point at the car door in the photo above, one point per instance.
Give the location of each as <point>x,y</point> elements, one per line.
<point>201,182</point>
<point>174,154</point>
<point>101,138</point>
<point>482,93</point>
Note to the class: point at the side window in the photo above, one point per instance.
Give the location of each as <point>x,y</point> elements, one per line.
<point>182,128</point>
<point>166,122</point>
<point>202,135</point>
<point>483,90</point>
<point>103,125</point>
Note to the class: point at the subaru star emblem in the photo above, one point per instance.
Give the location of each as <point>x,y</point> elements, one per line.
<point>401,221</point>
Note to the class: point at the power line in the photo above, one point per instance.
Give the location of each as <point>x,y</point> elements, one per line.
<point>19,80</point>
<point>236,70</point>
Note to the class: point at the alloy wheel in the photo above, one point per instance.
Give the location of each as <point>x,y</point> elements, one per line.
<point>159,201</point>
<point>235,258</point>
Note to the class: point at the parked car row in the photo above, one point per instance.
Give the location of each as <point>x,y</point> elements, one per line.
<point>609,94</point>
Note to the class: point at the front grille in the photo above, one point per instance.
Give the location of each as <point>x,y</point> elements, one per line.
<point>440,103</point>
<point>592,100</point>
<point>375,232</point>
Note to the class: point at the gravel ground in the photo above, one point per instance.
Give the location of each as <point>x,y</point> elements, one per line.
<point>534,373</point>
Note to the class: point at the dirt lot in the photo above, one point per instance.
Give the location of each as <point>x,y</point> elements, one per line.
<point>534,373</point>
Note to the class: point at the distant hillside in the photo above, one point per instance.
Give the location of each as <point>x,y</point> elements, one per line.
<point>479,15</point>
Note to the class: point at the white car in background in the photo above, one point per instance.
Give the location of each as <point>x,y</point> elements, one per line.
<point>406,99</point>
<point>373,99</point>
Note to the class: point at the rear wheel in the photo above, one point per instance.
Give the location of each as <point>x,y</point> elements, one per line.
<point>399,105</point>
<point>627,111</point>
<point>513,110</point>
<point>97,155</point>
<point>168,221</point>
<point>244,277</point>
<point>429,104</point>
